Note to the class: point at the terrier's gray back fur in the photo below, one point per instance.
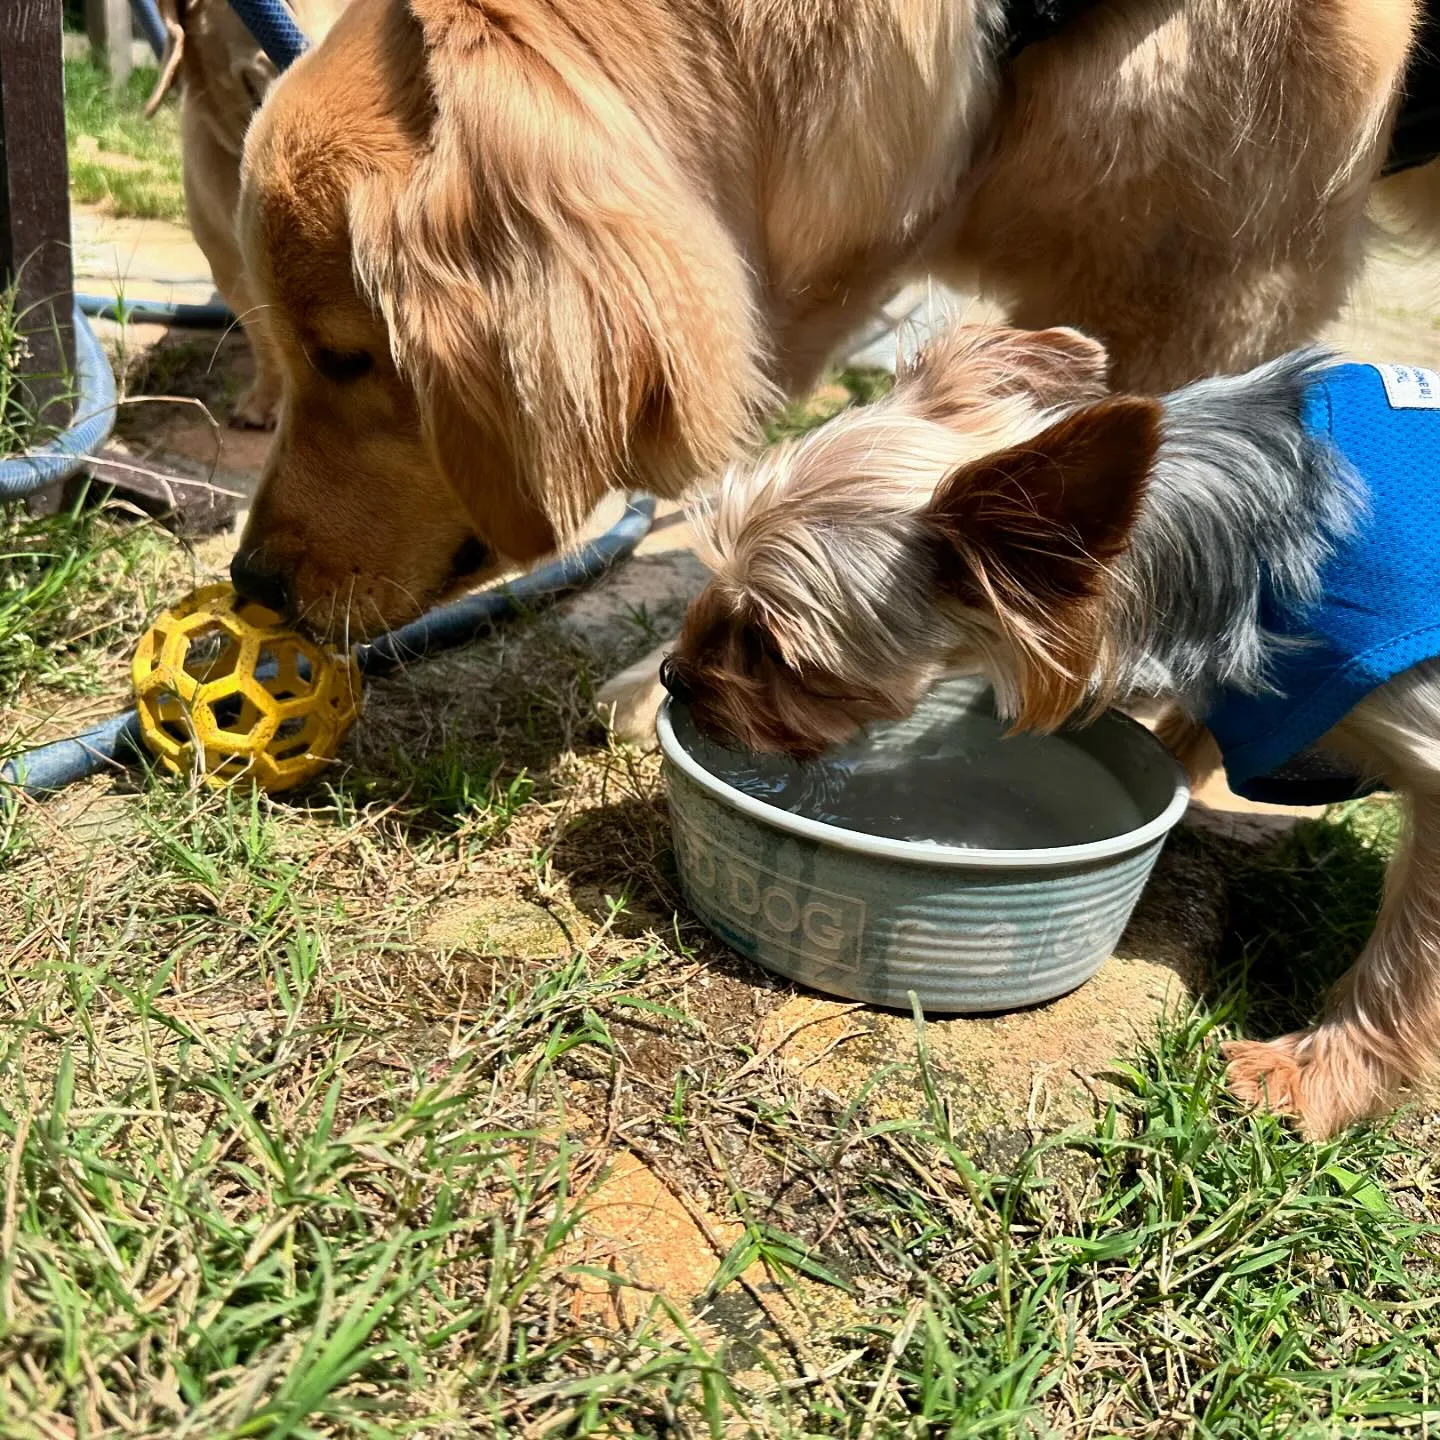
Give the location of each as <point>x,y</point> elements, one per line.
<point>1242,501</point>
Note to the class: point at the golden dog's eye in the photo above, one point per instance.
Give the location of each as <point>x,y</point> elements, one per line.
<point>342,366</point>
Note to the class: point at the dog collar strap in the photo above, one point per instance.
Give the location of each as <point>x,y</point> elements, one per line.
<point>1028,22</point>
<point>1415,140</point>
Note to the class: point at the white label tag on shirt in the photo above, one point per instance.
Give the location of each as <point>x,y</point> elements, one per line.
<point>1408,387</point>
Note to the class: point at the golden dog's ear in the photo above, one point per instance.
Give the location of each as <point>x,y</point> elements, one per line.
<point>969,367</point>
<point>572,313</point>
<point>174,54</point>
<point>1028,534</point>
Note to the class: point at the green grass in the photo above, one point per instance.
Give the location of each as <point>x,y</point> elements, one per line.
<point>274,1171</point>
<point>24,420</point>
<point>1314,894</point>
<point>848,387</point>
<point>74,588</point>
<point>281,1165</point>
<point>118,158</point>
<point>281,1156</point>
<point>469,794</point>
<point>318,1223</point>
<point>295,1241</point>
<point>1174,1260</point>
<point>74,584</point>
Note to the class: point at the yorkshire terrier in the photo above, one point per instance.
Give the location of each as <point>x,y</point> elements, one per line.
<point>1261,550</point>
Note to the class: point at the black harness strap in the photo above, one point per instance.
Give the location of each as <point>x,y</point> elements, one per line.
<point>1027,22</point>
<point>1416,137</point>
<point>1312,778</point>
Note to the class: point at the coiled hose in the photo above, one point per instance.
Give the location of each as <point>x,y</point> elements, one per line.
<point>276,32</point>
<point>87,432</point>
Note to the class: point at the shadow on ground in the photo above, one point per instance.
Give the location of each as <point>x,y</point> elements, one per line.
<point>1298,910</point>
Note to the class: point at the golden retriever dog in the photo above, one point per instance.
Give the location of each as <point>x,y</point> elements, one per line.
<point>512,254</point>
<point>224,76</point>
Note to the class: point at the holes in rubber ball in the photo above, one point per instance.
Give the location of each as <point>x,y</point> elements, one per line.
<point>211,654</point>
<point>236,714</point>
<point>292,738</point>
<point>287,675</point>
<point>172,719</point>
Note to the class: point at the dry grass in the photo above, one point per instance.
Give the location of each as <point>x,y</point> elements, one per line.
<point>75,589</point>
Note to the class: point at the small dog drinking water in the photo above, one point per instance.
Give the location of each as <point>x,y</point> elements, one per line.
<point>1260,549</point>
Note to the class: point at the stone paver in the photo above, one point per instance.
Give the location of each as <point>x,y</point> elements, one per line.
<point>137,259</point>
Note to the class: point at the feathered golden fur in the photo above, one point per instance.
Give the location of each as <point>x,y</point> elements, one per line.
<point>515,253</point>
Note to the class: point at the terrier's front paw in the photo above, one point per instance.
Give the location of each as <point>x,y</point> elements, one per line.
<point>1265,1074</point>
<point>1325,1079</point>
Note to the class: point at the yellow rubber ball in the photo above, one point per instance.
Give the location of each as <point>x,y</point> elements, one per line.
<point>225,691</point>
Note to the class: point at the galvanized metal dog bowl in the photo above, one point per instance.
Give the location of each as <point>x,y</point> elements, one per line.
<point>988,872</point>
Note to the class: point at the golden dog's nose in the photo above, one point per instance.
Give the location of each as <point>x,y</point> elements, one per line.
<point>261,582</point>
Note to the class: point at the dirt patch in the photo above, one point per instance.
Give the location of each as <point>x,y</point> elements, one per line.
<point>647,596</point>
<point>1033,1068</point>
<point>179,388</point>
<point>635,1228</point>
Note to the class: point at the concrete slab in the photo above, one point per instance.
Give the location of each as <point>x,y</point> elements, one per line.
<point>137,259</point>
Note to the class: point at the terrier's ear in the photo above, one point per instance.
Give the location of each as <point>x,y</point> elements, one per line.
<point>1049,514</point>
<point>1028,534</point>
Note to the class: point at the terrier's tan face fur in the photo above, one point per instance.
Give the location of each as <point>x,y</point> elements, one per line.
<point>962,520</point>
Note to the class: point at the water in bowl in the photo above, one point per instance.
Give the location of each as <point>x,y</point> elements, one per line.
<point>952,779</point>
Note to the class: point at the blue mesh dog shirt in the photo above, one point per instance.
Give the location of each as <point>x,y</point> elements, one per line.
<point>1379,611</point>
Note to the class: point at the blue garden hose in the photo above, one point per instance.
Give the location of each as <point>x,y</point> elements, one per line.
<point>87,432</point>
<point>51,767</point>
<point>273,27</point>
<point>117,742</point>
<point>269,21</point>
<point>463,620</point>
<point>156,312</point>
<point>146,12</point>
